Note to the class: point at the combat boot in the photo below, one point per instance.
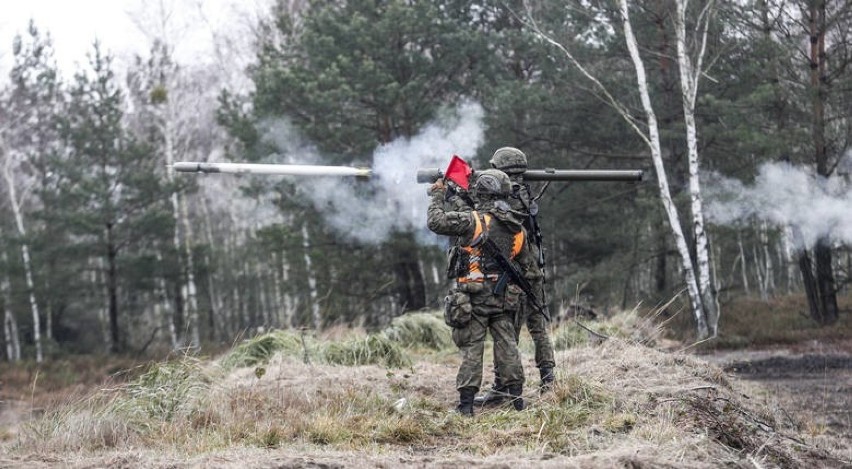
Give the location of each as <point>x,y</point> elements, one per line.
<point>546,378</point>
<point>465,406</point>
<point>495,395</point>
<point>516,393</point>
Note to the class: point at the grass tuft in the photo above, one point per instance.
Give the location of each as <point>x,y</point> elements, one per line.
<point>164,391</point>
<point>375,349</point>
<point>258,350</point>
<point>426,330</point>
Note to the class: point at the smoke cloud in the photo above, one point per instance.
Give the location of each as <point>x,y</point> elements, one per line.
<point>371,211</point>
<point>785,195</point>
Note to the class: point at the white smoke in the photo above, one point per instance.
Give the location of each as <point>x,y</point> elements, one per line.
<point>785,195</point>
<point>370,211</point>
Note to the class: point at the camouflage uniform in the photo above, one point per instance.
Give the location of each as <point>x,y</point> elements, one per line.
<point>482,309</point>
<point>537,323</point>
<point>514,163</point>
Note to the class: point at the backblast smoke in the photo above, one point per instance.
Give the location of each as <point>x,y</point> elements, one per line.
<point>785,196</point>
<point>371,211</point>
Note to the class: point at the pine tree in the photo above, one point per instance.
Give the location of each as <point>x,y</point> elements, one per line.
<point>110,202</point>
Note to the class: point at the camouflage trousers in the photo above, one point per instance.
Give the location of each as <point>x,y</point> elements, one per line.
<point>471,342</point>
<point>537,325</point>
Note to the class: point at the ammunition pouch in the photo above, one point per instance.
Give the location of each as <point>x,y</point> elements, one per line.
<point>458,309</point>
<point>513,298</point>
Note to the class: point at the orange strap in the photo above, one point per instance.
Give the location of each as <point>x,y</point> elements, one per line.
<point>475,273</point>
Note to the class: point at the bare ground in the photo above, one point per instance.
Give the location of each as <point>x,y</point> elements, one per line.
<point>812,382</point>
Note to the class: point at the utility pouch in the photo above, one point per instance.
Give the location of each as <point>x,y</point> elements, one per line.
<point>457,309</point>
<point>513,298</point>
<point>473,288</point>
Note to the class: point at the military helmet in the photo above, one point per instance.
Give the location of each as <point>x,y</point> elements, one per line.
<point>492,183</point>
<point>510,160</point>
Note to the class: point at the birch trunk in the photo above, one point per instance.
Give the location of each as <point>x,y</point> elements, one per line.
<point>689,74</point>
<point>212,291</point>
<point>191,291</point>
<point>15,204</point>
<point>653,140</point>
<point>312,281</point>
<point>769,265</point>
<point>187,289</point>
<point>761,277</point>
<point>744,269</point>
<point>787,254</point>
<point>11,334</point>
<point>167,307</point>
<point>175,202</point>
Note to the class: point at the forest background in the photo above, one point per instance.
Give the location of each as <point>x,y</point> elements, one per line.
<point>737,110</point>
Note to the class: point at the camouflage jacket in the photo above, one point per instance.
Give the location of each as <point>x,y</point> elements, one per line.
<point>441,219</point>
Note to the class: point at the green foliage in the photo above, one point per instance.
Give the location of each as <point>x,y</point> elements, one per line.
<point>375,349</point>
<point>361,73</point>
<point>109,201</point>
<point>423,329</point>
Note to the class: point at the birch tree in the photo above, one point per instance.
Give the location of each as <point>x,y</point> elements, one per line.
<point>690,72</point>
<point>11,335</point>
<point>161,92</point>
<point>25,135</point>
<point>168,107</point>
<point>696,274</point>
<point>15,203</point>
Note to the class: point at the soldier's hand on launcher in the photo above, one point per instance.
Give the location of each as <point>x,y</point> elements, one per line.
<point>438,186</point>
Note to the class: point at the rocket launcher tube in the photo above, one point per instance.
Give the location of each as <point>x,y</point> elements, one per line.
<point>429,175</point>
<point>550,174</point>
<point>280,169</point>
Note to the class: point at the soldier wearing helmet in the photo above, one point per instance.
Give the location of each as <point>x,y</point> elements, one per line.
<point>510,160</point>
<point>513,162</point>
<point>475,306</point>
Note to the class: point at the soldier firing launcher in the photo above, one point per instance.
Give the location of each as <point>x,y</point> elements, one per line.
<point>459,172</point>
<point>430,175</point>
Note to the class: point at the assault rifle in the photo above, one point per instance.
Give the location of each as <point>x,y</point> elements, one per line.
<point>510,273</point>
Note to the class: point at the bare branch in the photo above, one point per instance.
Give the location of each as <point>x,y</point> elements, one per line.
<point>622,111</point>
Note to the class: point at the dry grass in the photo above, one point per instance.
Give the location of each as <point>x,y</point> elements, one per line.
<point>617,404</point>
